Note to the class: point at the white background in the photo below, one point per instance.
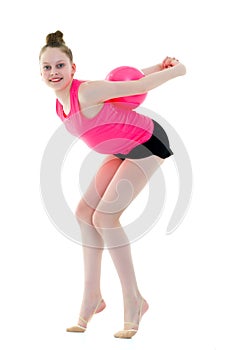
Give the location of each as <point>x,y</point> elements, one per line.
<point>187,276</point>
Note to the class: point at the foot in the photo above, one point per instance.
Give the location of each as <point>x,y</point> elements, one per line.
<point>134,315</point>
<point>88,312</point>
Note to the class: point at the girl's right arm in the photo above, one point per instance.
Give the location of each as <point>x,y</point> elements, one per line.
<point>95,92</point>
<point>167,63</point>
<point>158,78</point>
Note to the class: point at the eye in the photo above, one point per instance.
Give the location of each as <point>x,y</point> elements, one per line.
<point>60,65</point>
<point>46,67</point>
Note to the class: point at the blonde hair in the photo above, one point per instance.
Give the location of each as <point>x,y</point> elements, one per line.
<point>56,40</point>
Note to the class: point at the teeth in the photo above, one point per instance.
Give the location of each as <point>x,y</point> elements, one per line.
<point>55,80</point>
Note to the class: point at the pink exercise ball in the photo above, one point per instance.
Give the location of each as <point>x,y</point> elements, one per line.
<point>126,73</point>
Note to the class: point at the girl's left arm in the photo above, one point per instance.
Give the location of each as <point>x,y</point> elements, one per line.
<point>95,92</point>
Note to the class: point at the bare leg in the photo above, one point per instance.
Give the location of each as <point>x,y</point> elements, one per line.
<point>91,239</point>
<point>106,221</point>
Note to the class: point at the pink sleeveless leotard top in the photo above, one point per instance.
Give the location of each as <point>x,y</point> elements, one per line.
<point>113,130</point>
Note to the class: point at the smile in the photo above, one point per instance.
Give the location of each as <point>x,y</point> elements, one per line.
<point>55,80</point>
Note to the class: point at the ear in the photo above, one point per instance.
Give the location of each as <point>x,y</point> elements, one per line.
<point>73,68</point>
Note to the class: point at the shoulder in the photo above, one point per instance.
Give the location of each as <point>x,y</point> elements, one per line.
<point>95,92</point>
<point>76,84</point>
<point>85,93</point>
<point>78,90</point>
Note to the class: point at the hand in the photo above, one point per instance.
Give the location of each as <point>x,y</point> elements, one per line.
<point>169,62</point>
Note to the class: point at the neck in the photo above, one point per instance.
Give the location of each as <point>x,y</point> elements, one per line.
<point>64,95</point>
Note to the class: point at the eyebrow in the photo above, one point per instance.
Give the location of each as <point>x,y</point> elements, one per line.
<point>56,62</point>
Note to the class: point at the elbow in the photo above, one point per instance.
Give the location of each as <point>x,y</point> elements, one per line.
<point>143,86</point>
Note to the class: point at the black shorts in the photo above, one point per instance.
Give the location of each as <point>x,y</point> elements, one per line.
<point>158,145</point>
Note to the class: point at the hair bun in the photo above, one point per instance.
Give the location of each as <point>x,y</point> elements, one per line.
<point>55,39</point>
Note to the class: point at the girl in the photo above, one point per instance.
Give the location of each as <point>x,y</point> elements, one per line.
<point>136,146</point>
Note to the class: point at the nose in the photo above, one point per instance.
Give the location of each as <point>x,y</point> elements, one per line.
<point>53,71</point>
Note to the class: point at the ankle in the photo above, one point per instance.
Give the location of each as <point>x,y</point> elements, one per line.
<point>134,296</point>
<point>91,293</point>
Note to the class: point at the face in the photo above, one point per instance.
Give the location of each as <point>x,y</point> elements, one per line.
<point>56,69</point>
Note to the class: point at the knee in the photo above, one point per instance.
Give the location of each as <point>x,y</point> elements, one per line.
<point>103,220</point>
<point>84,213</point>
